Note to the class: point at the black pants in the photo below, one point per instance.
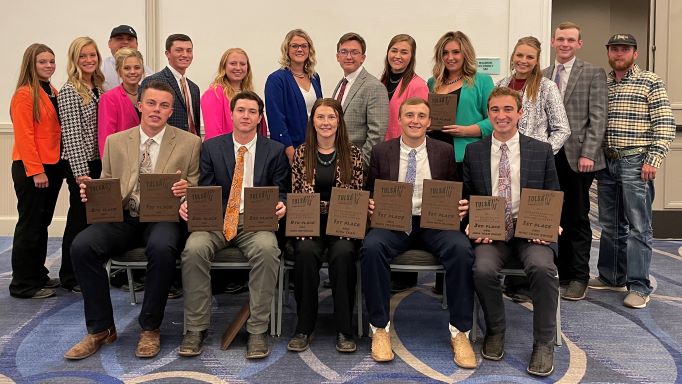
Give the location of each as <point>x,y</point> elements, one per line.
<point>451,248</point>
<point>35,207</point>
<point>341,256</point>
<point>99,242</point>
<point>576,240</point>
<point>75,219</point>
<point>538,263</point>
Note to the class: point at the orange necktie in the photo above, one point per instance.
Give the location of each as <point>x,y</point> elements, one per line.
<point>234,201</point>
<point>188,104</point>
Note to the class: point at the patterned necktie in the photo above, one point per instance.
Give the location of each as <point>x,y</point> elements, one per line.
<point>411,175</point>
<point>557,77</point>
<point>234,201</point>
<point>188,104</point>
<point>145,167</point>
<point>504,190</point>
<point>342,90</point>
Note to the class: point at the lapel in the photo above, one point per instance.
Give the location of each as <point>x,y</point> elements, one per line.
<point>357,84</point>
<point>133,155</point>
<point>167,146</point>
<point>524,141</point>
<point>296,91</point>
<point>170,79</point>
<point>486,166</point>
<point>573,79</point>
<point>433,157</point>
<point>45,100</point>
<point>394,159</point>
<point>262,153</point>
<point>228,156</point>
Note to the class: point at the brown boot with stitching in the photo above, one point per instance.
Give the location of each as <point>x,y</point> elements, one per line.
<point>91,343</point>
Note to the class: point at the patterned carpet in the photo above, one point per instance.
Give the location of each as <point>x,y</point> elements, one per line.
<point>603,341</point>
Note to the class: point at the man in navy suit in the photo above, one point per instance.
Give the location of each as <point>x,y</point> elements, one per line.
<point>264,164</point>
<point>186,114</point>
<point>501,165</point>
<point>413,157</point>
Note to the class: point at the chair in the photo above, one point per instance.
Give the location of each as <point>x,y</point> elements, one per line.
<point>417,260</point>
<point>515,269</point>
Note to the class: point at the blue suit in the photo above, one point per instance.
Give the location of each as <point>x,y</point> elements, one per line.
<point>179,117</point>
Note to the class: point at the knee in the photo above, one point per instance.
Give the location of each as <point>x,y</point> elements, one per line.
<point>267,253</point>
<point>196,253</point>
<point>544,269</point>
<point>162,253</point>
<point>485,269</point>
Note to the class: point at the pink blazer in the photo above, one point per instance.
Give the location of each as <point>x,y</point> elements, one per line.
<point>115,114</point>
<point>416,88</point>
<point>215,109</point>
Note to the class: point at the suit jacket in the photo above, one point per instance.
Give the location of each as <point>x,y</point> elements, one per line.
<point>179,116</point>
<point>365,112</point>
<point>179,151</point>
<point>385,161</point>
<point>35,143</point>
<point>115,113</point>
<point>585,100</point>
<point>271,166</point>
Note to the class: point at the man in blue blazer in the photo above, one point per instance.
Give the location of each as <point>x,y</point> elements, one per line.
<point>186,104</point>
<point>264,164</point>
<point>515,161</point>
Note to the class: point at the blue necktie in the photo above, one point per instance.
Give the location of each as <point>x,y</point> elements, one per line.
<point>411,175</point>
<point>557,77</point>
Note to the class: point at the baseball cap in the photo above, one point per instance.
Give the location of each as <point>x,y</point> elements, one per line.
<point>123,30</point>
<point>622,39</point>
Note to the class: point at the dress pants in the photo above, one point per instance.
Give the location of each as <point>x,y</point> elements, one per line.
<point>452,249</point>
<point>538,263</point>
<point>76,220</point>
<point>97,243</point>
<point>260,248</point>
<point>341,256</point>
<point>576,240</point>
<point>35,207</point>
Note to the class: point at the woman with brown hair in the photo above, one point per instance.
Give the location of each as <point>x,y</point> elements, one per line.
<point>327,159</point>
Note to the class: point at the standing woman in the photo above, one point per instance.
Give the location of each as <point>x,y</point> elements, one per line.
<point>400,80</point>
<point>326,160</point>
<point>118,106</point>
<point>78,101</point>
<point>454,72</point>
<point>544,117</point>
<point>291,91</point>
<point>234,75</point>
<point>35,172</point>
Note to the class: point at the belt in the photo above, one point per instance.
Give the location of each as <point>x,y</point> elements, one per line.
<point>617,154</point>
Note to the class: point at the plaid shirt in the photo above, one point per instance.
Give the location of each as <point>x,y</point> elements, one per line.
<point>79,129</point>
<point>640,114</point>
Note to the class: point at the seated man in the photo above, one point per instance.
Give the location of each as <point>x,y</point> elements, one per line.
<point>153,147</point>
<point>235,161</point>
<point>504,163</point>
<point>412,158</point>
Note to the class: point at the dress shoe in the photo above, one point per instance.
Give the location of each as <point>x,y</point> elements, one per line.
<point>149,344</point>
<point>381,346</point>
<point>192,343</point>
<point>234,287</point>
<point>345,344</point>
<point>257,346</point>
<point>493,346</point>
<point>175,293</point>
<point>52,283</point>
<point>542,360</point>
<point>575,291</point>
<point>299,343</point>
<point>90,344</point>
<point>464,353</point>
<point>44,293</point>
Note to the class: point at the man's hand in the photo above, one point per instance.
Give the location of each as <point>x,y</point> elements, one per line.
<point>370,207</point>
<point>183,212</point>
<point>648,172</point>
<point>478,240</point>
<point>280,210</point>
<point>289,151</point>
<point>585,164</point>
<point>463,209</point>
<point>83,187</point>
<point>179,188</point>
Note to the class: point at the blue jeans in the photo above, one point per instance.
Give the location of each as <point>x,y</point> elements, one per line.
<point>625,217</point>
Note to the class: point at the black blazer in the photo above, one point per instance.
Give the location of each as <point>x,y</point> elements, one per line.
<point>385,161</point>
<point>271,167</point>
<point>179,117</point>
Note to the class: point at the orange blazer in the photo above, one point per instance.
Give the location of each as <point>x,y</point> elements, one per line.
<point>35,143</point>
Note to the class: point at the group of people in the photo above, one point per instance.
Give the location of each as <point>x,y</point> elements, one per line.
<point>547,129</point>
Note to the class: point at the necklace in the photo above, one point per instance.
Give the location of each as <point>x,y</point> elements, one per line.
<point>298,75</point>
<point>450,82</point>
<point>131,94</point>
<point>326,163</point>
<point>329,147</point>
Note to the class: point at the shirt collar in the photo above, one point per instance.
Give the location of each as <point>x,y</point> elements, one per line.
<point>511,143</point>
<point>630,72</point>
<point>175,73</point>
<point>354,75</point>
<point>406,148</point>
<point>249,146</point>
<point>567,65</point>
<point>157,138</point>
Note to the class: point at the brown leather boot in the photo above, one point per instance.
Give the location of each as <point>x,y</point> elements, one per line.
<point>149,344</point>
<point>91,343</point>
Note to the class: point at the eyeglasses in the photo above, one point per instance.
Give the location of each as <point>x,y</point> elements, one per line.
<point>296,47</point>
<point>345,52</point>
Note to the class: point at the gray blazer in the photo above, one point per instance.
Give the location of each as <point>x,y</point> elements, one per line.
<point>585,101</point>
<point>365,112</point>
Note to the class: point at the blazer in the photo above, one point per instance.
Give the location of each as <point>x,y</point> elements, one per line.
<point>545,118</point>
<point>385,161</point>
<point>365,111</point>
<point>585,101</point>
<point>271,166</point>
<point>415,88</point>
<point>179,151</point>
<point>179,117</point>
<point>215,108</point>
<point>472,108</point>
<point>115,113</point>
<point>285,106</point>
<point>35,143</point>
<point>79,129</point>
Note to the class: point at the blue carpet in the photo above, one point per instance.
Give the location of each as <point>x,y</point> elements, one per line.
<point>603,340</point>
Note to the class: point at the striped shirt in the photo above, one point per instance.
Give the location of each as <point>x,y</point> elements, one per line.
<point>640,114</point>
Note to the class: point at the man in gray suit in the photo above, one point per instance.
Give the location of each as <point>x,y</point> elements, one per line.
<point>363,97</point>
<point>583,87</point>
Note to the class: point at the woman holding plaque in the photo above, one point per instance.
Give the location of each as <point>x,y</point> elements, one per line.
<point>454,73</point>
<point>327,159</point>
<point>35,172</point>
<point>400,80</point>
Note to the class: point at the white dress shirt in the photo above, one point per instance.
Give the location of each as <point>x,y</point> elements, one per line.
<point>111,78</point>
<point>423,172</point>
<point>565,74</point>
<point>179,76</point>
<point>514,154</point>
<point>249,157</point>
<point>154,148</point>
<point>351,79</point>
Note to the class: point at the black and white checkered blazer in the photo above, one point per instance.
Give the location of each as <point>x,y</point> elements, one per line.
<point>79,129</point>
